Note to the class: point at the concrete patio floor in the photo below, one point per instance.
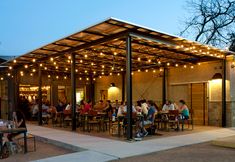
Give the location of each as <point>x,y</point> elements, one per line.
<point>103,149</point>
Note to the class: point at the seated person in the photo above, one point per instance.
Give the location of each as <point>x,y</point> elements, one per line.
<point>122,110</point>
<point>144,107</point>
<point>108,108</point>
<point>99,106</point>
<point>87,107</point>
<point>45,112</point>
<point>149,120</point>
<point>168,106</point>
<point>183,110</point>
<point>60,107</point>
<point>35,109</point>
<point>138,107</point>
<point>19,122</point>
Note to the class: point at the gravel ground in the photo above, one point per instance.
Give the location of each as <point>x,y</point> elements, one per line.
<point>43,150</point>
<point>205,152</point>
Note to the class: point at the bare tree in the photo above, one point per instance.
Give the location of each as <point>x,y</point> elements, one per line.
<point>211,22</point>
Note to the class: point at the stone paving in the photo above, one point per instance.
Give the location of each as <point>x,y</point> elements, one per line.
<point>102,149</point>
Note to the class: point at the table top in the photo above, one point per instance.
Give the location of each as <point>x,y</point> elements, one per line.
<point>12,130</point>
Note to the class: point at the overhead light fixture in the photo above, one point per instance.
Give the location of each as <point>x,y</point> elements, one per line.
<point>217,76</point>
<point>112,85</point>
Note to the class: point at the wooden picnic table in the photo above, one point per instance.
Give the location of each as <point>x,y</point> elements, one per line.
<point>13,130</point>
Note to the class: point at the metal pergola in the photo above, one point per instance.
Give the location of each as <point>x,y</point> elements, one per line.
<point>115,47</point>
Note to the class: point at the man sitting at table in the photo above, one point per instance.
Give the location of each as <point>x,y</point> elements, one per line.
<point>122,110</point>
<point>148,120</point>
<point>168,106</point>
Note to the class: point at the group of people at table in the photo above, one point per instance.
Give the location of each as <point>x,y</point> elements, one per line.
<point>146,108</point>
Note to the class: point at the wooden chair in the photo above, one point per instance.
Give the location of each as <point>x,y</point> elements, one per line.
<point>67,117</point>
<point>93,121</point>
<point>189,120</point>
<point>173,121</point>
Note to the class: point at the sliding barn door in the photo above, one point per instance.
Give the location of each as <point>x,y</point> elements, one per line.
<point>199,103</point>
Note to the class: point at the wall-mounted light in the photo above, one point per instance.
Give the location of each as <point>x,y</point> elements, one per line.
<point>112,85</point>
<point>217,76</point>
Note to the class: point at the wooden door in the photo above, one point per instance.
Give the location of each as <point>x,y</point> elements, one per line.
<point>199,104</point>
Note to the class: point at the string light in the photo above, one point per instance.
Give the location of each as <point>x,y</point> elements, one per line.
<point>45,68</point>
<point>160,69</point>
<point>132,73</point>
<point>49,76</point>
<point>176,65</point>
<point>14,61</point>
<point>115,53</point>
<point>2,78</point>
<point>139,70</point>
<point>146,70</point>
<point>87,78</point>
<point>51,59</point>
<point>25,66</point>
<point>57,77</point>
<point>102,73</point>
<point>159,62</point>
<point>185,66</point>
<point>102,66</point>
<point>85,71</point>
<point>100,76</point>
<point>112,68</point>
<point>41,65</point>
<point>110,73</point>
<point>34,60</point>
<point>66,69</point>
<point>31,74</point>
<point>69,57</point>
<point>154,71</point>
<point>118,74</point>
<point>10,67</point>
<point>65,77</point>
<point>21,73</point>
<point>121,69</point>
<point>85,56</point>
<point>80,78</point>
<point>57,67</point>
<point>192,67</point>
<point>54,63</point>
<point>139,59</point>
<point>8,74</point>
<point>34,70</point>
<point>199,63</point>
<point>168,64</point>
<point>76,70</point>
<point>94,72</point>
<point>94,79</point>
<point>92,64</point>
<point>81,61</point>
<point>149,60</point>
<point>101,54</point>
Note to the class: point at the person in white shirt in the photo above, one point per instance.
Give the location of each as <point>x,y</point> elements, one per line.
<point>122,110</point>
<point>168,106</point>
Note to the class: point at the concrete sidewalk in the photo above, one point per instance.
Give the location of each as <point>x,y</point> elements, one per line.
<point>101,149</point>
<point>225,142</point>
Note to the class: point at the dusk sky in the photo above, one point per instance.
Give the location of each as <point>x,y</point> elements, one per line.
<point>30,24</point>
